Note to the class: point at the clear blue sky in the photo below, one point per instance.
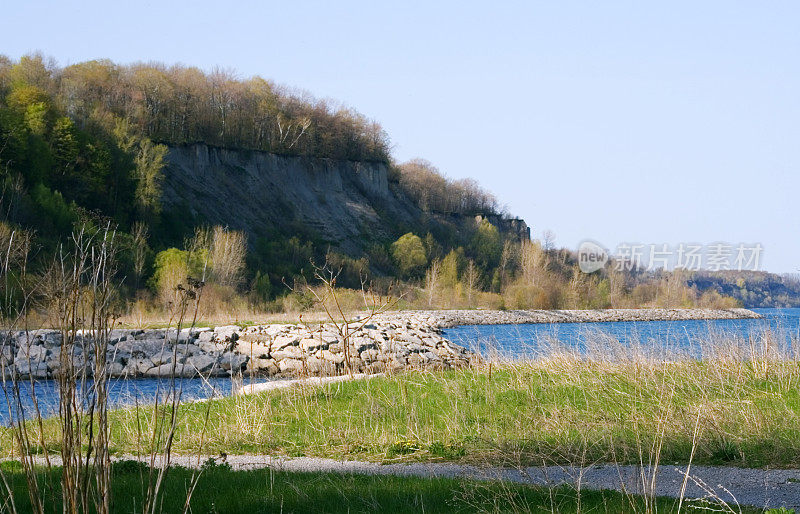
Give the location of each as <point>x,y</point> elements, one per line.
<point>616,121</point>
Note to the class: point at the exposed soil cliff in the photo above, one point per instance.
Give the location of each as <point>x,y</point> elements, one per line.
<point>348,204</point>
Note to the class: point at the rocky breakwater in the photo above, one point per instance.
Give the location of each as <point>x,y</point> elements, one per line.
<point>266,350</point>
<point>452,318</point>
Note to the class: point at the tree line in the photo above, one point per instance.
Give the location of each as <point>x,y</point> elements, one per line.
<point>183,105</point>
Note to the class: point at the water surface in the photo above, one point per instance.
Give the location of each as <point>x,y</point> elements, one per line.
<point>687,335</point>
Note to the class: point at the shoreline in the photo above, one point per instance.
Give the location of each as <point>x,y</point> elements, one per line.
<point>388,342</point>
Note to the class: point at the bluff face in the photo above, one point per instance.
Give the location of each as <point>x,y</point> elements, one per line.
<point>347,204</point>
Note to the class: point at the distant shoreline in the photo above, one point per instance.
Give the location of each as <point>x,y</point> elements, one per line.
<point>453,318</point>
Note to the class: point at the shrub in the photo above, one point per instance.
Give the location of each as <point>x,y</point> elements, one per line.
<point>409,254</point>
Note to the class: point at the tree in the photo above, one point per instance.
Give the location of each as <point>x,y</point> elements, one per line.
<point>486,245</point>
<point>432,279</point>
<point>452,266</point>
<point>228,251</point>
<point>139,233</point>
<point>148,159</point>
<point>471,278</point>
<point>409,254</point>
<point>171,269</point>
<point>149,176</point>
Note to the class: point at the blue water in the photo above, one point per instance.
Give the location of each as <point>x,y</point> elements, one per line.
<point>533,339</point>
<point>121,393</point>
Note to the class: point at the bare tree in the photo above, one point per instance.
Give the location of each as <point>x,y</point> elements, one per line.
<point>346,325</point>
<point>471,276</point>
<point>228,251</point>
<point>548,240</point>
<point>432,279</point>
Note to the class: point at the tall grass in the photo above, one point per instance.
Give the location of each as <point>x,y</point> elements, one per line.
<point>78,294</point>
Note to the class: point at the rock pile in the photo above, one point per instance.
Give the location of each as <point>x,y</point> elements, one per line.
<point>266,350</point>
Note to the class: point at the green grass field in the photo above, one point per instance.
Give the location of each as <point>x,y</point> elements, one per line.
<point>542,412</point>
<point>221,490</point>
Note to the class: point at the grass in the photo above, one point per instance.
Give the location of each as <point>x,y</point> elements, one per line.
<point>221,490</point>
<point>562,409</point>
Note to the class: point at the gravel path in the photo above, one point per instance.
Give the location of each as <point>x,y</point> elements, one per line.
<point>764,488</point>
<point>756,487</point>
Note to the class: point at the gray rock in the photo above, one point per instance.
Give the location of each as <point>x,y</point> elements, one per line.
<point>273,330</point>
<point>265,366</point>
<point>162,357</point>
<point>254,350</point>
<point>35,369</point>
<point>227,333</point>
<point>288,352</point>
<point>282,341</point>
<point>336,358</point>
<point>201,362</point>
<point>290,365</point>
<point>142,347</point>
<point>369,355</point>
<point>167,370</point>
<point>33,353</point>
<point>312,345</point>
<point>205,337</point>
<point>231,361</point>
<point>115,369</point>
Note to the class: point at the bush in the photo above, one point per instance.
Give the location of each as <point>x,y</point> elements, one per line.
<point>409,254</point>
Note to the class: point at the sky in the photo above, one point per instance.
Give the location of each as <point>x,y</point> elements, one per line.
<point>620,122</point>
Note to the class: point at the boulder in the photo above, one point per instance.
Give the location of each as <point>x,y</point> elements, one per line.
<point>262,366</point>
<point>369,355</point>
<point>289,366</point>
<point>312,345</point>
<point>227,333</point>
<point>336,358</point>
<point>142,347</point>
<point>166,370</point>
<point>230,361</point>
<point>288,352</point>
<point>282,341</point>
<point>206,336</point>
<point>203,362</point>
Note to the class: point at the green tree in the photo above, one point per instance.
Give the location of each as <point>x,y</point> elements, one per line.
<point>486,245</point>
<point>409,254</point>
<point>149,176</point>
<point>452,267</point>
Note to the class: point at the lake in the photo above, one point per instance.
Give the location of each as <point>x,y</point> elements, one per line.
<point>687,336</point>
<point>122,392</point>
